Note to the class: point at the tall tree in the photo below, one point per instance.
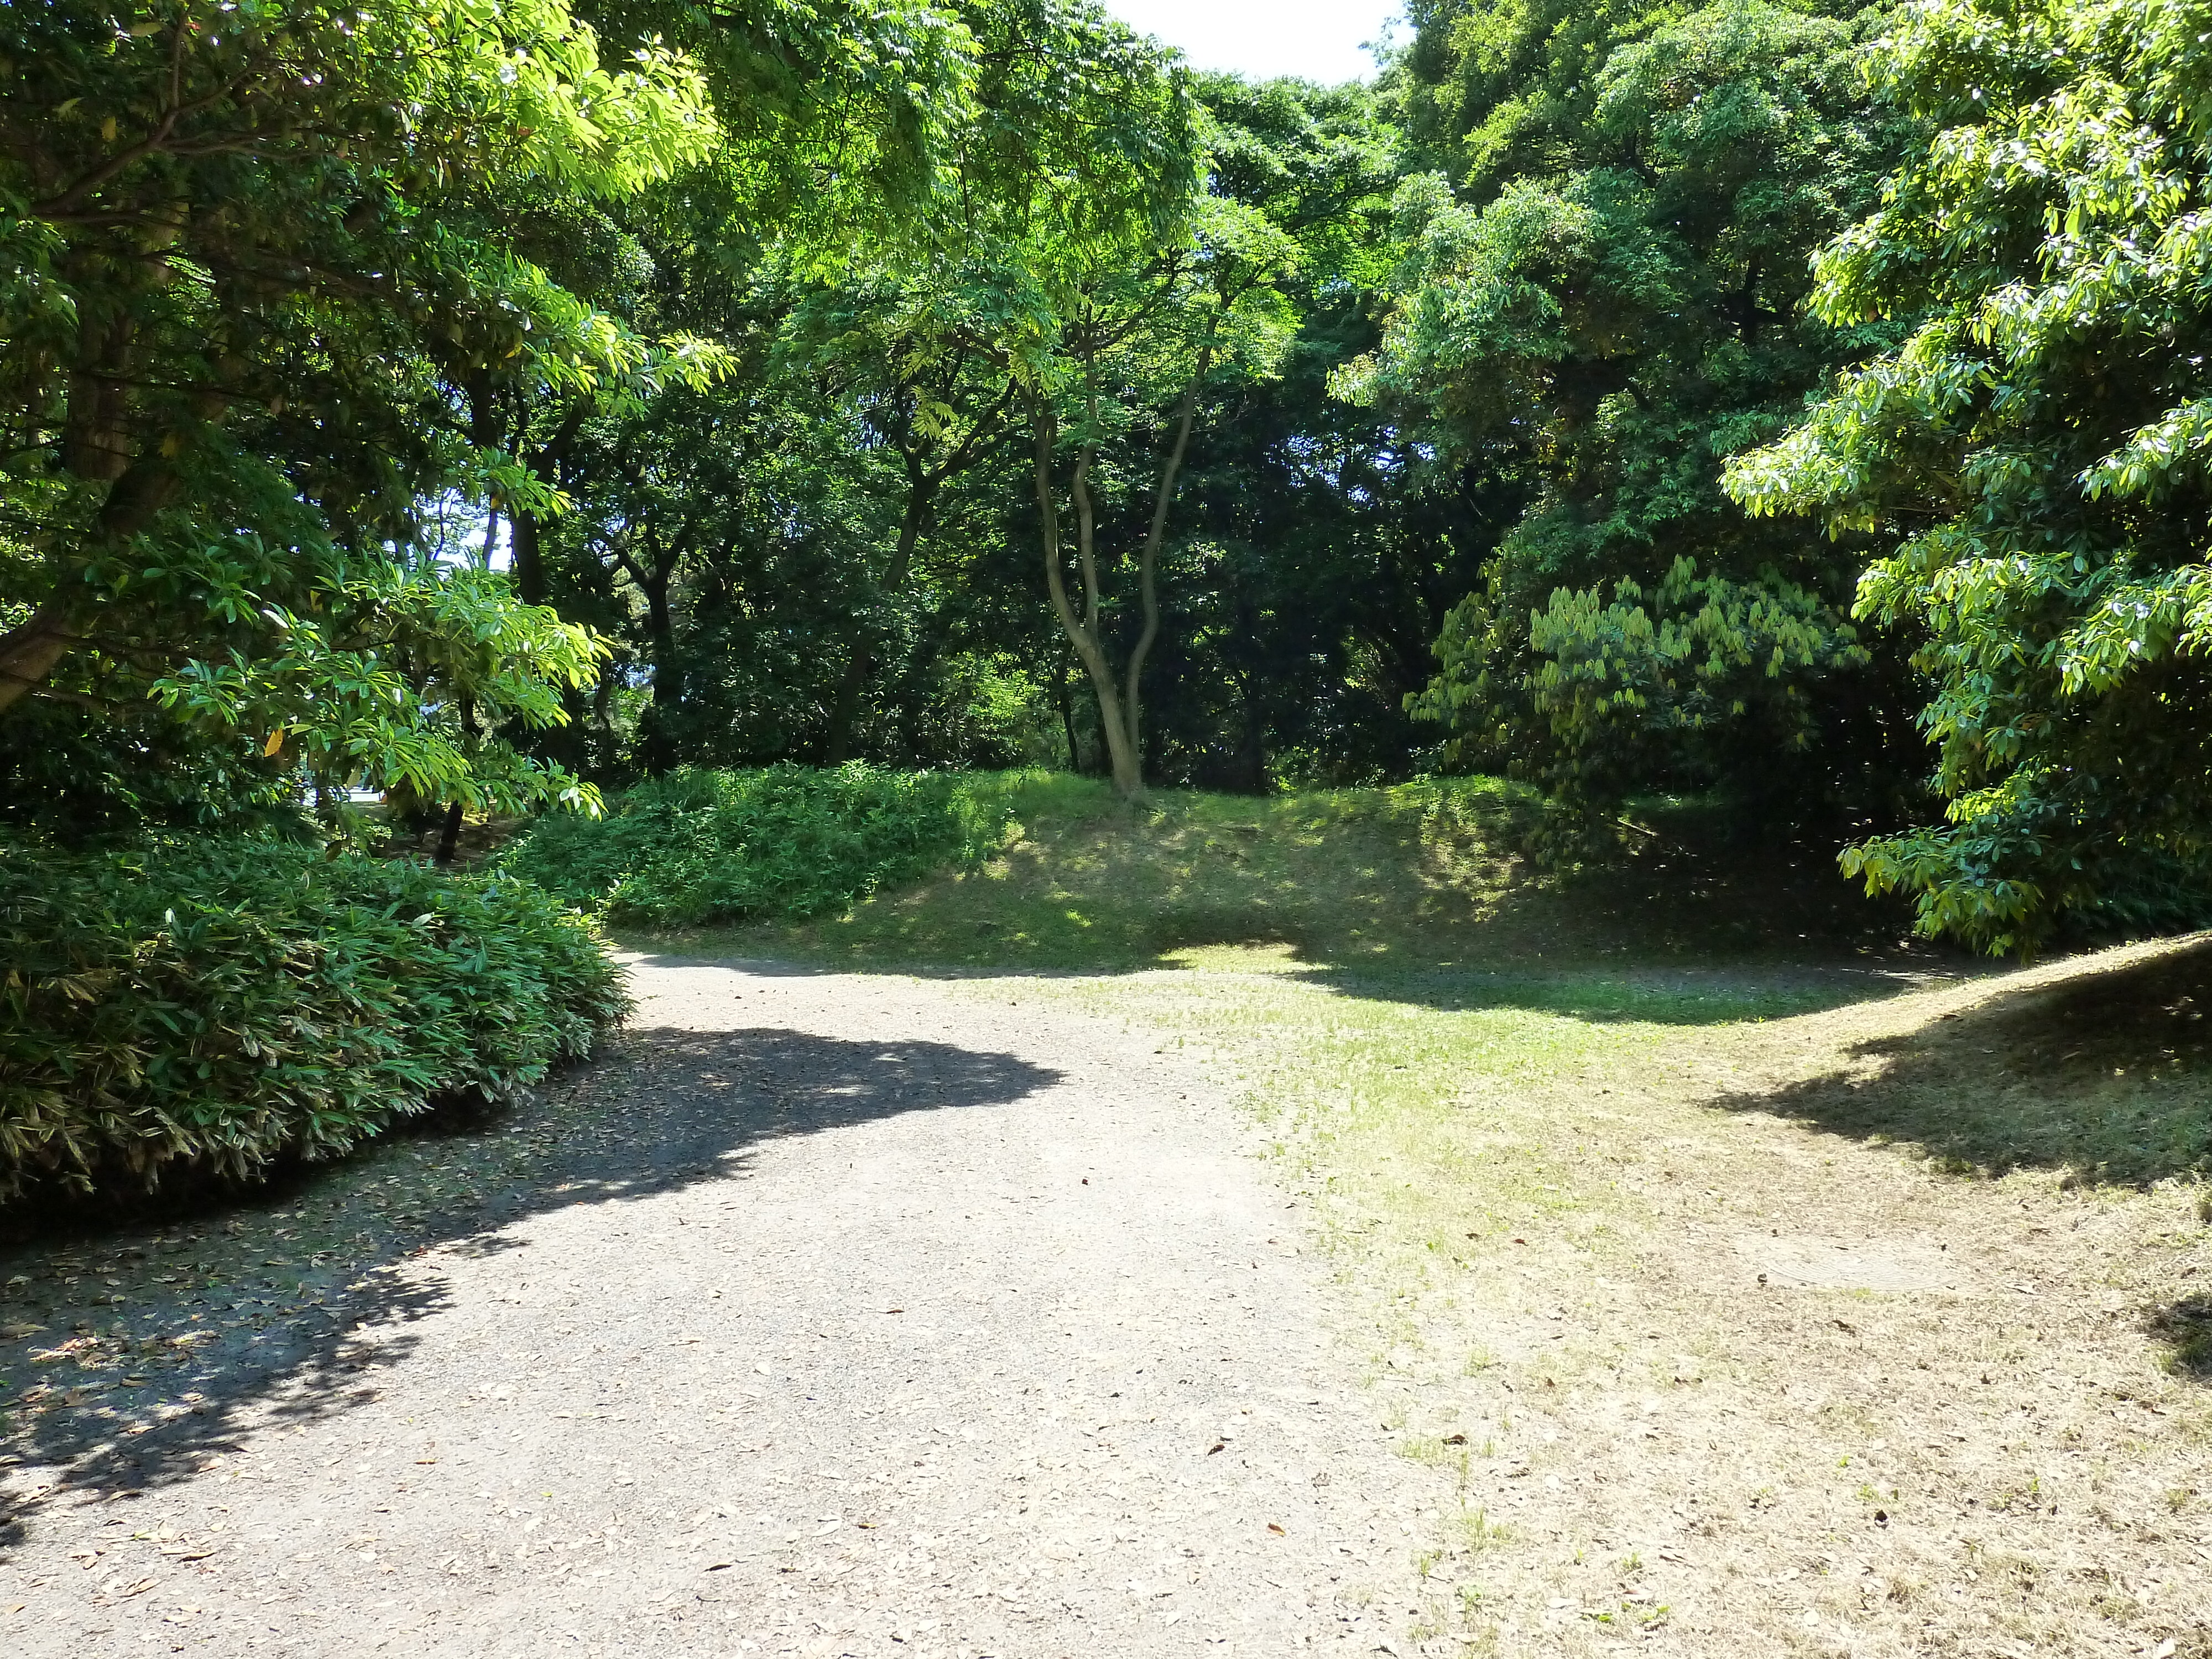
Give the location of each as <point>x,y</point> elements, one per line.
<point>937,412</point>
<point>250,258</point>
<point>1130,344</point>
<point>279,286</point>
<point>1319,551</point>
<point>1601,298</point>
<point>2032,456</point>
<point>1062,279</point>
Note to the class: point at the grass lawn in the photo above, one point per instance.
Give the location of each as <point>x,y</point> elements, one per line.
<point>1771,1284</point>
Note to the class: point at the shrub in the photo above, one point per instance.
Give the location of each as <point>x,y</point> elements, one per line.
<point>784,842</point>
<point>213,1006</point>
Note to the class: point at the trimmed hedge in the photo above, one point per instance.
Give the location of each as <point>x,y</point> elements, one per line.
<point>783,842</point>
<point>212,1007</point>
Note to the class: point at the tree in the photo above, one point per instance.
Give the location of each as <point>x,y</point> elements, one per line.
<point>940,412</point>
<point>249,255</point>
<point>1061,278</point>
<point>727,528</point>
<point>281,285</point>
<point>1319,551</point>
<point>835,121</point>
<point>2032,456</point>
<point>818,555</point>
<point>1600,300</point>
<point>1126,343</point>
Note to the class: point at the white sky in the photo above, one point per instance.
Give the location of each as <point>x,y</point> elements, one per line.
<point>1318,39</point>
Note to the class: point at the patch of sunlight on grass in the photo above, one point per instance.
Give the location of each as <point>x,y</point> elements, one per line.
<point>1236,959</point>
<point>1413,1125</point>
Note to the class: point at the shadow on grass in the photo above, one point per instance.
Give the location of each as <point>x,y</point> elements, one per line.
<point>1652,996</point>
<point>1656,996</point>
<point>1400,902</point>
<point>138,1353</point>
<point>2106,1073</point>
<point>2187,1329</point>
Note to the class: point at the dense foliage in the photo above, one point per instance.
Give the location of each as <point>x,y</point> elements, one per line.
<point>1599,299</point>
<point>486,408</point>
<point>212,1007</point>
<point>2031,456</point>
<point>274,281</point>
<point>249,254</point>
<point>781,842</point>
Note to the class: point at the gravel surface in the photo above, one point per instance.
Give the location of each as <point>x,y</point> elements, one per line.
<point>834,1316</point>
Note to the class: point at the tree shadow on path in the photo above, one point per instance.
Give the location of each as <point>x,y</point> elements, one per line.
<point>140,1351</point>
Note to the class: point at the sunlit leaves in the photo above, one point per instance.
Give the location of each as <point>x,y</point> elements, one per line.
<point>2036,451</point>
<point>257,265</point>
<point>397,688</point>
<point>1601,295</point>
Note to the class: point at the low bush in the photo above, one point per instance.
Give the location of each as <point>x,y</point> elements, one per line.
<point>214,1006</point>
<point>784,842</point>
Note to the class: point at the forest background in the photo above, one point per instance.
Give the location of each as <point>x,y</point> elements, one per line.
<point>495,408</point>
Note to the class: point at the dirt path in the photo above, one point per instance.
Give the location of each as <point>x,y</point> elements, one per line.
<point>877,1320</point>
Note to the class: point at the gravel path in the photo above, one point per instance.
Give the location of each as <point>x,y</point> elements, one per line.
<point>862,1316</point>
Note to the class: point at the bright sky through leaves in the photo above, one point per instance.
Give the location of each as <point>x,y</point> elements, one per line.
<point>1316,39</point>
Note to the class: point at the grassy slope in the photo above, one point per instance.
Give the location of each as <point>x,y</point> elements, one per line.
<point>1400,883</point>
<point>1555,1133</point>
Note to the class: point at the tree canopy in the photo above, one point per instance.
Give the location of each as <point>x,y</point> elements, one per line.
<point>486,406</point>
<point>1600,298</point>
<point>2029,456</point>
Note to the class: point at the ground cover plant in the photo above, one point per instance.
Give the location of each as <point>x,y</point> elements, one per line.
<point>1416,876</point>
<point>211,1008</point>
<point>698,847</point>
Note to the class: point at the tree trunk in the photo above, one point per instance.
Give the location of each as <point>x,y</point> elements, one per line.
<point>30,651</point>
<point>922,484</point>
<point>1120,708</point>
<point>1252,752</point>
<point>524,529</point>
<point>1066,699</point>
<point>529,557</point>
<point>449,837</point>
<point>1082,629</point>
<point>96,444</point>
<point>1149,562</point>
<point>845,706</point>
<point>1746,304</point>
<point>667,676</point>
